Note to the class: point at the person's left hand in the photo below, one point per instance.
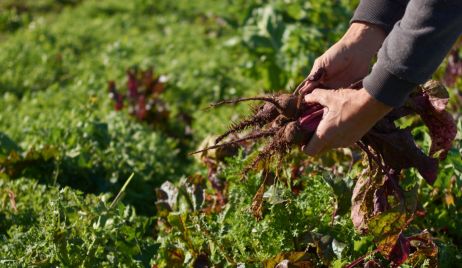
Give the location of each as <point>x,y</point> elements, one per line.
<point>348,115</point>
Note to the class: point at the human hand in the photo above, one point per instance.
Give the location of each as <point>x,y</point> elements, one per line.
<point>347,61</point>
<point>348,115</point>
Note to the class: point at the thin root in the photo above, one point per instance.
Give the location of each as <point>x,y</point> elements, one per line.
<point>267,99</point>
<point>262,134</point>
<point>239,126</point>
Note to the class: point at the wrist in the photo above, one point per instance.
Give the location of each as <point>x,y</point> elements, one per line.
<point>372,106</point>
<point>366,35</point>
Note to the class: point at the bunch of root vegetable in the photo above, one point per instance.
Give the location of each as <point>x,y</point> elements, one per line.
<point>288,122</point>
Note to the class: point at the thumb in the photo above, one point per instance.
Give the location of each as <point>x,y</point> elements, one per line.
<point>314,146</point>
<point>317,143</point>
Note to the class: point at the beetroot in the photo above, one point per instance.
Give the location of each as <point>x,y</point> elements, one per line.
<point>284,117</point>
<point>286,105</point>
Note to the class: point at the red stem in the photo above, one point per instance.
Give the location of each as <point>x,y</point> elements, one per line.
<point>360,259</point>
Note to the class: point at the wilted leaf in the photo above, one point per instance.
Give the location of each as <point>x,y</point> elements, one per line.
<point>217,154</point>
<point>399,151</point>
<point>274,195</point>
<point>430,104</point>
<point>425,249</point>
<point>338,248</point>
<point>400,252</point>
<point>194,190</point>
<point>449,199</point>
<point>171,191</point>
<point>387,224</point>
<point>290,259</point>
<point>362,201</point>
<point>257,203</point>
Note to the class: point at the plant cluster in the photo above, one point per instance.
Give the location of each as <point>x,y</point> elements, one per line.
<point>142,97</point>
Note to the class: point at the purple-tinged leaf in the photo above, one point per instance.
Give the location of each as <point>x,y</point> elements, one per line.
<point>370,203</point>
<point>361,203</point>
<point>441,126</point>
<point>430,104</point>
<point>148,79</point>
<point>399,151</point>
<point>400,251</point>
<point>132,83</point>
<point>115,96</point>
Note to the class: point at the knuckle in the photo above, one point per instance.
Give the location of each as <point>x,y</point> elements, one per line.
<point>319,62</point>
<point>317,92</point>
<point>323,136</point>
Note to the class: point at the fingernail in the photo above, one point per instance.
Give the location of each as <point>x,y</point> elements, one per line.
<point>317,75</point>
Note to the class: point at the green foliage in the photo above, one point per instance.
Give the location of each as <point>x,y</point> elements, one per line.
<point>49,226</point>
<point>15,14</point>
<point>285,37</point>
<point>291,223</point>
<point>83,141</point>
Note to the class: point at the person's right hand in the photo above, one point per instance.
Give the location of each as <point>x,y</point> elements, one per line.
<point>348,60</point>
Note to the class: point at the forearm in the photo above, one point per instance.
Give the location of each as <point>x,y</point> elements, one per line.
<point>383,13</point>
<point>414,49</point>
<point>369,36</point>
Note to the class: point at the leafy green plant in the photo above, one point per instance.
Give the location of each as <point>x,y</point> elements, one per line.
<point>50,226</point>
<point>286,36</point>
<point>191,232</point>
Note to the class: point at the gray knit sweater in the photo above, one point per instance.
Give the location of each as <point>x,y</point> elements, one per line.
<point>420,34</point>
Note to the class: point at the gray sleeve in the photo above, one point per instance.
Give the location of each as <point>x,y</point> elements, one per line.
<point>384,13</point>
<point>414,49</point>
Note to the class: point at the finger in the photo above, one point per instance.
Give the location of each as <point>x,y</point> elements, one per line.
<point>300,86</point>
<point>313,80</point>
<point>309,86</point>
<point>314,146</point>
<point>318,95</point>
<point>318,74</point>
<point>318,141</point>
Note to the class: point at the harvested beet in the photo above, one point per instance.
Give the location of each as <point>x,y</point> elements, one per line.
<point>287,121</point>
